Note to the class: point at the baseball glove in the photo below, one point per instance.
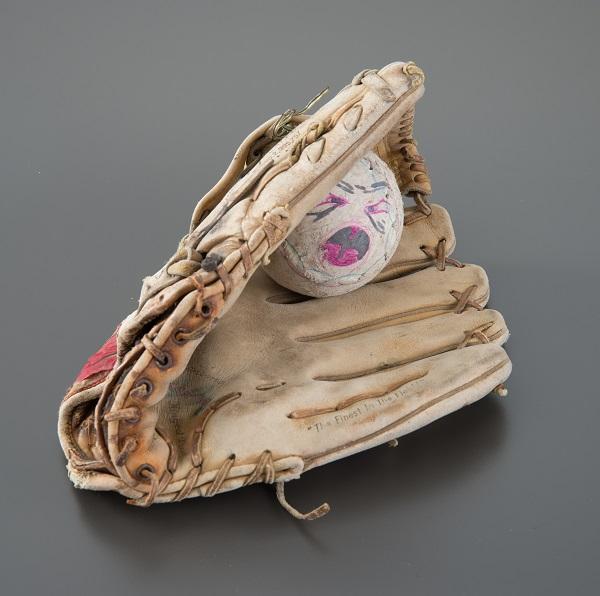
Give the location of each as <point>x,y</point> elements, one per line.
<point>171,408</point>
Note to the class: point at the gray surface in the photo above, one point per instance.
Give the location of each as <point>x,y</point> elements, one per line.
<point>116,116</point>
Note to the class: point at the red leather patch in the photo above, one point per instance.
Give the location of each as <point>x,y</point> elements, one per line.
<point>102,361</point>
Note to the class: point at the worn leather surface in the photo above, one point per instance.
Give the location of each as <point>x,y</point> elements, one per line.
<point>312,380</point>
<point>342,374</point>
<point>180,406</point>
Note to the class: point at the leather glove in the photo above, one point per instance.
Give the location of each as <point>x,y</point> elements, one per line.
<point>173,407</point>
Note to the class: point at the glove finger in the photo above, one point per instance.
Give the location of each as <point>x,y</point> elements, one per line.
<point>424,241</point>
<point>308,426</point>
<point>423,294</point>
<point>409,398</point>
<point>392,347</point>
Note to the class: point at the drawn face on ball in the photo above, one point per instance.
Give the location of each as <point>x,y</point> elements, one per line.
<point>349,235</point>
<point>369,213</point>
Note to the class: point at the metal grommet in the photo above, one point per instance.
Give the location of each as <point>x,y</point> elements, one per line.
<point>142,389</point>
<point>135,419</point>
<point>206,310</point>
<point>165,361</point>
<point>177,339</point>
<point>143,471</point>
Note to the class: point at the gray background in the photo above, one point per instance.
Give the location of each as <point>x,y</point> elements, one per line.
<point>117,116</point>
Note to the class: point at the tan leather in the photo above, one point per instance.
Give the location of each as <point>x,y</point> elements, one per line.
<point>342,374</point>
<point>176,417</point>
<point>399,149</point>
<point>421,243</point>
<point>310,381</point>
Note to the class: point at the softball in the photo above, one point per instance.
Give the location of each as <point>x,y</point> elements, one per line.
<point>349,236</point>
